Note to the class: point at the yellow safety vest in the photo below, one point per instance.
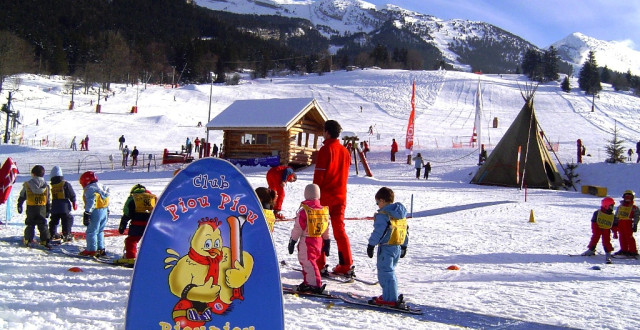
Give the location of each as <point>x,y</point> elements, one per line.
<point>624,212</point>
<point>604,220</point>
<point>57,190</point>
<point>317,220</point>
<point>34,199</point>
<point>271,219</point>
<point>398,229</point>
<point>100,202</point>
<point>144,202</point>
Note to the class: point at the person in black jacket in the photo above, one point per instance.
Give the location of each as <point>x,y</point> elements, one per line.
<point>134,156</point>
<point>63,198</point>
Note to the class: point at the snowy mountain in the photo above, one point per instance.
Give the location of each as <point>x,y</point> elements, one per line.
<point>464,44</point>
<point>460,41</point>
<point>618,56</point>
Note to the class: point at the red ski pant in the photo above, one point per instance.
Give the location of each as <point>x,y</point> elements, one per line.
<point>336,213</point>
<point>596,232</point>
<point>627,242</point>
<point>131,246</point>
<point>276,184</point>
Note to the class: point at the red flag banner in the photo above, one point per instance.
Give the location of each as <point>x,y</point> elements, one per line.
<point>409,141</point>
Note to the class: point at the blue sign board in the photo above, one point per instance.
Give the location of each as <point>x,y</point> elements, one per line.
<point>206,258</point>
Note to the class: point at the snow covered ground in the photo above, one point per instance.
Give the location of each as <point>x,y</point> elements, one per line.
<point>513,273</point>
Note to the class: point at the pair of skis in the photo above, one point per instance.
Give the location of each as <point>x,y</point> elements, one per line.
<point>334,276</point>
<point>352,300</point>
<point>101,259</point>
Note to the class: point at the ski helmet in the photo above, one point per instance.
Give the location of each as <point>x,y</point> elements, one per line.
<point>607,203</point>
<point>87,178</point>
<point>630,193</point>
<point>138,188</point>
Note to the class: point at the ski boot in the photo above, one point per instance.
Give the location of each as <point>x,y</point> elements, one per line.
<point>589,252</point>
<point>101,253</point>
<point>46,244</point>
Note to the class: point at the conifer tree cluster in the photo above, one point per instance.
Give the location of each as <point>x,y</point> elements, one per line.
<point>589,78</point>
<point>541,67</point>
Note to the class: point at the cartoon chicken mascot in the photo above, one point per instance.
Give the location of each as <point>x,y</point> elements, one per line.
<point>210,276</point>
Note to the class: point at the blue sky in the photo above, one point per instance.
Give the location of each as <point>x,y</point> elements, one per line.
<point>541,22</point>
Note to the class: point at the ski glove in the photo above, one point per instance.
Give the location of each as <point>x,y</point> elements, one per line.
<point>292,245</point>
<point>326,246</point>
<point>20,208</point>
<point>123,224</point>
<point>403,251</point>
<point>370,250</point>
<point>75,206</point>
<point>85,218</point>
<point>635,227</point>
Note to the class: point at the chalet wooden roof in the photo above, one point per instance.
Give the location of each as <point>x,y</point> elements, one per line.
<point>267,114</point>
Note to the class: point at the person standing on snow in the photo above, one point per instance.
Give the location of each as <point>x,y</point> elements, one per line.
<point>391,235</point>
<point>277,178</point>
<point>96,211</point>
<point>427,169</point>
<point>627,214</point>
<point>418,162</point>
<point>394,149</point>
<point>215,150</point>
<point>196,142</point>
<point>311,227</point>
<point>63,199</point>
<point>121,140</point>
<point>86,143</point>
<point>601,223</point>
<point>73,145</point>
<point>36,192</point>
<point>136,212</point>
<point>125,156</point>
<point>331,175</point>
<point>134,156</point>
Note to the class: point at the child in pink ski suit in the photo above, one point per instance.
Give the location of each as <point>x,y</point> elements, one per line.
<point>311,228</point>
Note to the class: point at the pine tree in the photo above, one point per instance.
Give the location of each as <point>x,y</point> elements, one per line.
<point>615,149</point>
<point>605,76</point>
<point>550,62</point>
<point>566,85</point>
<point>589,78</point>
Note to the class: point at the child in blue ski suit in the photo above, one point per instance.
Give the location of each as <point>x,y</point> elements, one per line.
<point>391,235</point>
<point>96,211</point>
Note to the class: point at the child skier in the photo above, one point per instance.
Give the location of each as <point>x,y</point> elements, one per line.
<point>601,223</point>
<point>391,234</point>
<point>63,198</point>
<point>36,192</point>
<point>96,203</point>
<point>627,214</point>
<point>137,209</point>
<point>267,197</point>
<point>311,227</point>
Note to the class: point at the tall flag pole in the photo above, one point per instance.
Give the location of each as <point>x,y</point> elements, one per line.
<point>478,121</point>
<point>409,141</point>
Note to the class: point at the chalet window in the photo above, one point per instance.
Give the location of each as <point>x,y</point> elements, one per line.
<point>312,141</point>
<point>300,139</point>
<point>248,138</point>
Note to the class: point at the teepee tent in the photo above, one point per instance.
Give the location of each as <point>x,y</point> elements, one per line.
<point>521,156</point>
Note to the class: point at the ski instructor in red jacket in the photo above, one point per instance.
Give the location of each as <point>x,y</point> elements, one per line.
<point>277,178</point>
<point>331,174</point>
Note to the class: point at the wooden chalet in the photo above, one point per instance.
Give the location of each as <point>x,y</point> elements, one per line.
<point>289,128</point>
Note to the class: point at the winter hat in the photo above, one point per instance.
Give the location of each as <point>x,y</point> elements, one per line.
<point>55,171</point>
<point>312,191</point>
<point>38,170</point>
